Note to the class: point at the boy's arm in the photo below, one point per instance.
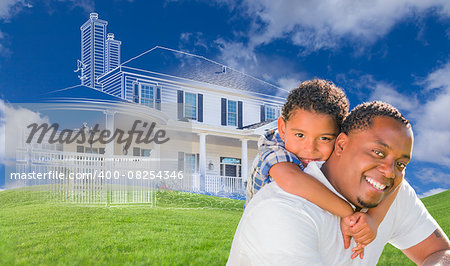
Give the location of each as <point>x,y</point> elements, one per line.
<point>284,167</point>
<point>293,180</point>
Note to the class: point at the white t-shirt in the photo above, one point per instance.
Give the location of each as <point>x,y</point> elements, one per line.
<point>278,228</point>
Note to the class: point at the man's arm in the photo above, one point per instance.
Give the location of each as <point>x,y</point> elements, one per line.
<point>434,250</point>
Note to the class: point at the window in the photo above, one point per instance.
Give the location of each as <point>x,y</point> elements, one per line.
<point>190,105</point>
<point>80,149</point>
<point>230,167</point>
<point>232,113</point>
<point>146,152</point>
<point>141,152</point>
<point>189,161</point>
<point>90,150</point>
<point>147,95</point>
<point>270,113</point>
<point>136,151</point>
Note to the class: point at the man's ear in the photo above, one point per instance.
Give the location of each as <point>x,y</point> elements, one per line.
<point>341,143</point>
<point>281,127</point>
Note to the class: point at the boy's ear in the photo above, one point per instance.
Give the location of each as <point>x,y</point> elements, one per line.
<point>281,127</point>
<point>340,144</point>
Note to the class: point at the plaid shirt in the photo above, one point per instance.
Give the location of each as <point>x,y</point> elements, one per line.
<point>271,151</point>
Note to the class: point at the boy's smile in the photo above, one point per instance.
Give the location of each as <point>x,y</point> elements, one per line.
<point>308,135</point>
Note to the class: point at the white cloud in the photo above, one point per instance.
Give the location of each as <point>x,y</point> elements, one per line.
<point>431,175</point>
<point>274,69</point>
<point>2,131</point>
<point>290,82</point>
<point>432,127</point>
<point>13,126</point>
<point>367,88</point>
<point>194,40</point>
<point>386,92</point>
<point>237,55</point>
<point>314,25</point>
<point>8,8</point>
<point>432,192</point>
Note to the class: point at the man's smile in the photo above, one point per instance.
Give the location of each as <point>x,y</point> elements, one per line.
<point>375,184</point>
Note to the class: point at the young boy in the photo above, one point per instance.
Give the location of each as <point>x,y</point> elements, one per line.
<point>307,130</point>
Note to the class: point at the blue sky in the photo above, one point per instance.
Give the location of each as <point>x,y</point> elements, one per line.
<point>396,51</point>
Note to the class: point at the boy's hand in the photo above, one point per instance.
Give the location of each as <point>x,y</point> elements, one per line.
<point>364,229</point>
<point>358,250</point>
<point>346,225</point>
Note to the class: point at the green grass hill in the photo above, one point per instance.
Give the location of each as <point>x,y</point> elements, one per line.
<point>183,229</point>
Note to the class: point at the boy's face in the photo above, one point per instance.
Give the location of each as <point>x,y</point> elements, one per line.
<point>309,135</point>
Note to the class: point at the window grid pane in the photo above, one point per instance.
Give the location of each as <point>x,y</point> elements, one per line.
<point>270,113</point>
<point>190,105</point>
<point>232,113</point>
<point>147,95</point>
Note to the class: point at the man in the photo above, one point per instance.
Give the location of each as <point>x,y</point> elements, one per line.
<point>367,164</point>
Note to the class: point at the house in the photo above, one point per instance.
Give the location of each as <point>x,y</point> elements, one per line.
<point>213,113</point>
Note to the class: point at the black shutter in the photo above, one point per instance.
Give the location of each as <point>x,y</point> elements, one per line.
<point>197,158</point>
<point>136,93</point>
<point>158,98</point>
<point>240,114</point>
<point>200,107</point>
<point>180,161</point>
<point>180,103</point>
<point>224,112</point>
<point>263,113</point>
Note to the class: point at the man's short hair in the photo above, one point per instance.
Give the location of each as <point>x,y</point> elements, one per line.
<point>361,117</point>
<point>320,96</point>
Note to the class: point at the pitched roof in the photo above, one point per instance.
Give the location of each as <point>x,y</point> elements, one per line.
<point>257,125</point>
<point>81,92</point>
<point>181,64</point>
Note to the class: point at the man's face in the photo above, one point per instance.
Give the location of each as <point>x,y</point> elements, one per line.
<point>373,161</point>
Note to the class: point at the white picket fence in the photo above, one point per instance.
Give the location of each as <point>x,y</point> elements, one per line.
<point>93,179</point>
<point>89,178</point>
<point>223,185</point>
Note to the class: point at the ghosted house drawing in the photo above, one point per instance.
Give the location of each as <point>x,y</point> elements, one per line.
<point>213,113</point>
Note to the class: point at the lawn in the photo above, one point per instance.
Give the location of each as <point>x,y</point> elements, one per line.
<point>183,229</point>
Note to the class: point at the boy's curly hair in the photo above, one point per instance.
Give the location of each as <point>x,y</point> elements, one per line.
<point>361,117</point>
<point>320,96</point>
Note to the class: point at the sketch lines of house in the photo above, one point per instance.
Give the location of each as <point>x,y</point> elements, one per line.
<point>213,113</point>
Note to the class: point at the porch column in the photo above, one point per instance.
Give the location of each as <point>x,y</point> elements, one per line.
<point>202,160</point>
<point>244,162</point>
<point>109,125</point>
<point>109,153</point>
